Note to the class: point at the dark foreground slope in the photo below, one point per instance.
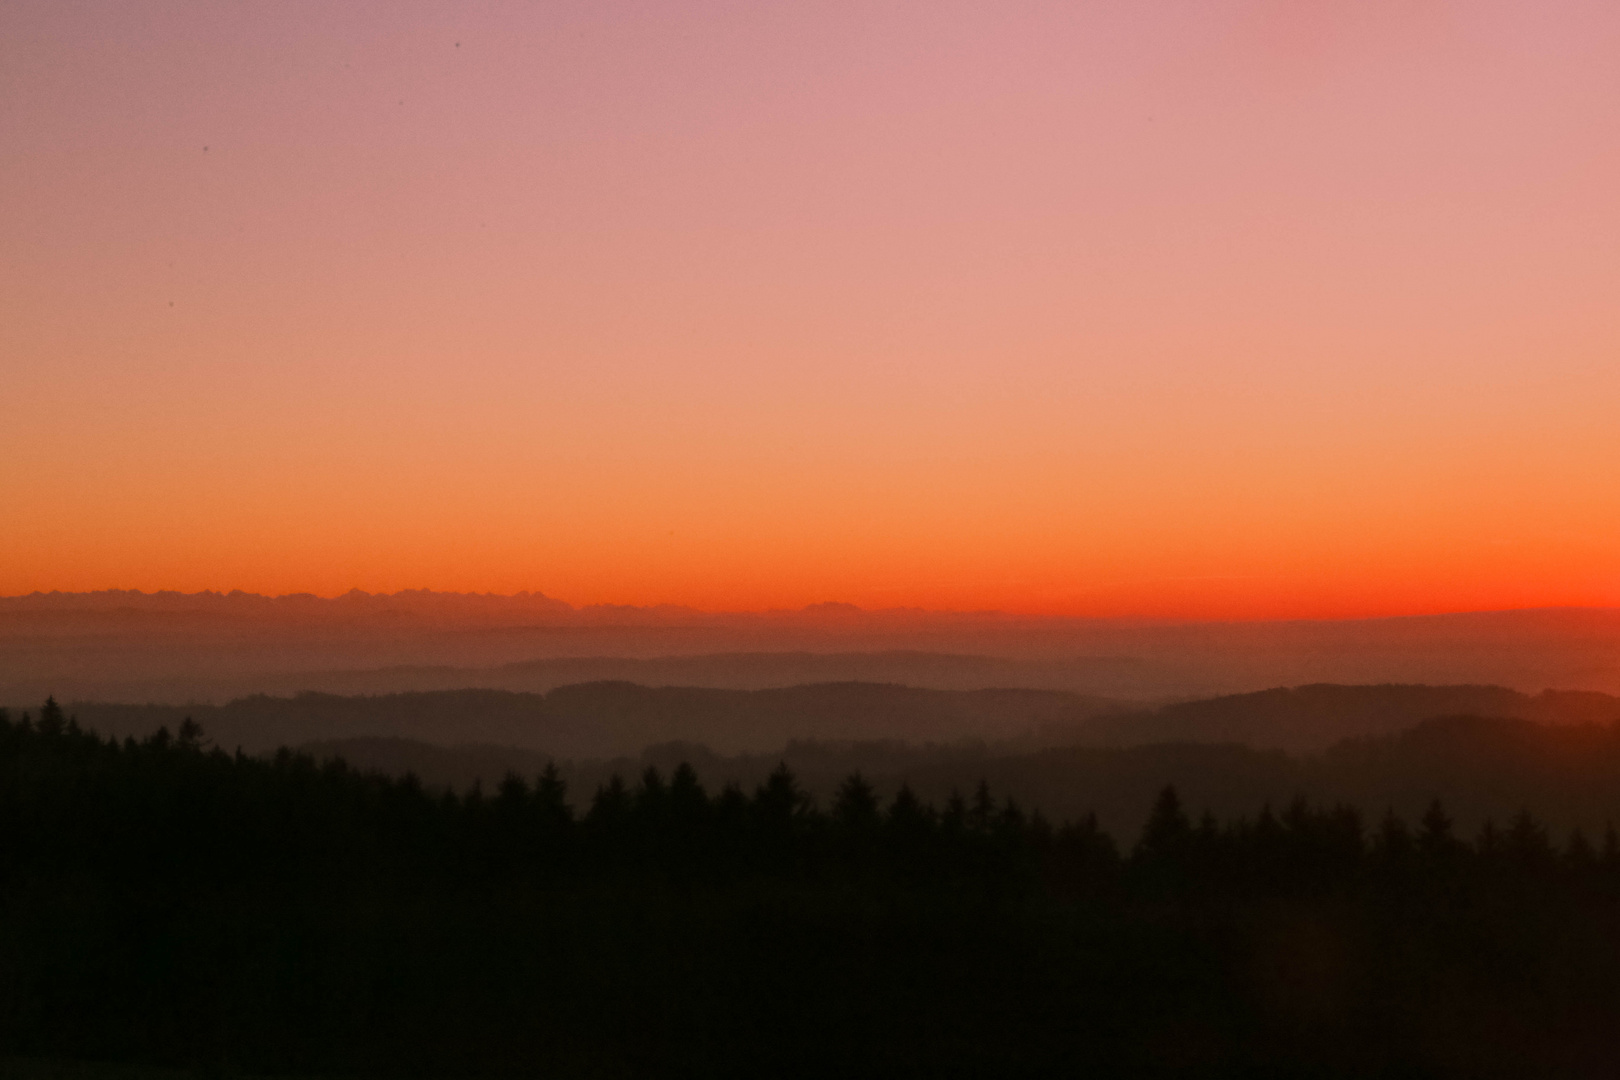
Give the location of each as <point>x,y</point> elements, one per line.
<point>160,903</point>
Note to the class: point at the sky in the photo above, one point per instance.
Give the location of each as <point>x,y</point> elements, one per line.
<point>1213,309</point>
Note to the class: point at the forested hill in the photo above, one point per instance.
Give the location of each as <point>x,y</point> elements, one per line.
<point>610,718</point>
<point>1305,718</point>
<point>598,720</point>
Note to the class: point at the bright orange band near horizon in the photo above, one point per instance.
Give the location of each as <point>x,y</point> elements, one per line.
<point>1238,310</point>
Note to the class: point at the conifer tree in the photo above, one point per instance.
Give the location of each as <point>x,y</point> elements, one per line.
<point>856,806</point>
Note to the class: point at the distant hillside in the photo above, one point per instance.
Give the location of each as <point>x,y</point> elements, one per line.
<point>1111,676</point>
<point>609,718</point>
<point>1306,718</point>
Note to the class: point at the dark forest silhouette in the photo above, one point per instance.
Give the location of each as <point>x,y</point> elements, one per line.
<point>163,901</point>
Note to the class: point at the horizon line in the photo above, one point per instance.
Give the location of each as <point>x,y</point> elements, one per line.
<point>827,607</point>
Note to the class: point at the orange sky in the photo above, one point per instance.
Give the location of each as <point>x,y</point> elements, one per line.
<point>1241,309</point>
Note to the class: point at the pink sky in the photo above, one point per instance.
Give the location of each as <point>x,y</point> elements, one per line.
<point>1231,309</point>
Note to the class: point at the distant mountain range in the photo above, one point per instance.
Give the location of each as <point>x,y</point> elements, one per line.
<point>214,647</point>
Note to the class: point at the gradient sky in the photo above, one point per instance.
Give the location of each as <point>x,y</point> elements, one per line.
<point>1237,309</point>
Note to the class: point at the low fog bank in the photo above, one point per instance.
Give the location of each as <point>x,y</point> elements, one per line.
<point>173,648</point>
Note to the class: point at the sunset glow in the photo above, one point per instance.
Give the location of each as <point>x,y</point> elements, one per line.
<point>1242,309</point>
